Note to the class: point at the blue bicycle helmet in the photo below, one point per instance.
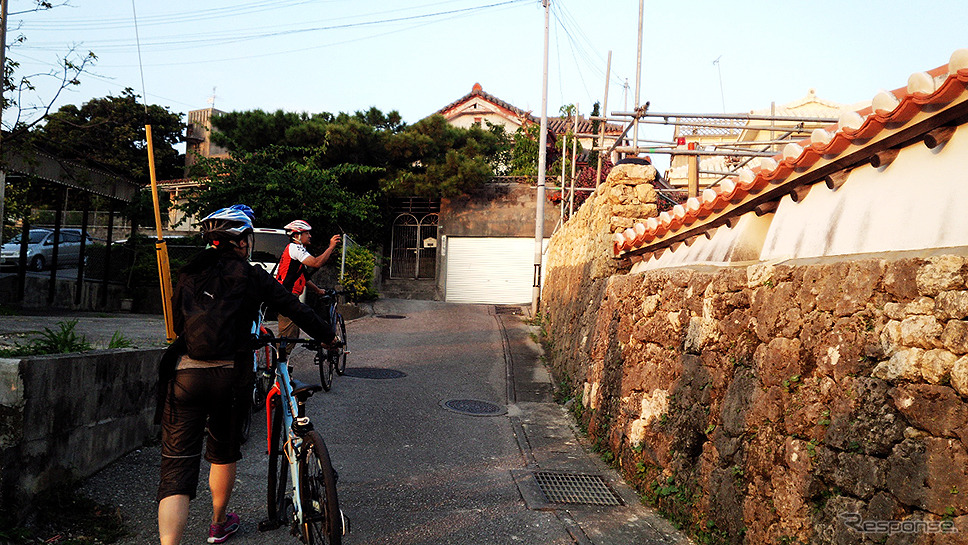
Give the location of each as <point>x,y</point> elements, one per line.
<point>231,224</point>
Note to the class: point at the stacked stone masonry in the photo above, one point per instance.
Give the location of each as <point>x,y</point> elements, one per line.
<point>772,403</point>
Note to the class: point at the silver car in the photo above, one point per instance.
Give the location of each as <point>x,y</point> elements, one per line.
<point>40,249</point>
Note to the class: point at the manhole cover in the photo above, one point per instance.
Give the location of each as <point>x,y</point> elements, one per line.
<point>391,316</point>
<point>373,372</point>
<point>575,488</point>
<point>472,407</point>
<point>499,309</point>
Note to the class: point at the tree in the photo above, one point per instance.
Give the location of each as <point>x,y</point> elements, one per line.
<point>343,139</point>
<point>282,184</point>
<point>435,159</point>
<point>23,105</point>
<point>109,133</point>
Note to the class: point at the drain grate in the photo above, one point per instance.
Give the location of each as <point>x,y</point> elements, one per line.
<point>374,373</point>
<point>391,316</point>
<point>472,407</point>
<point>575,488</point>
<point>503,309</point>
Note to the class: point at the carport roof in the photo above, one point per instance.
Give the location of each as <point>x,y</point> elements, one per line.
<point>52,169</point>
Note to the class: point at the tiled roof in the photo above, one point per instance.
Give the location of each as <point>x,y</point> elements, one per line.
<point>561,125</point>
<point>478,91</point>
<point>556,125</point>
<point>930,101</point>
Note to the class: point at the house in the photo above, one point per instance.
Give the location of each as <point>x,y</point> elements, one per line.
<point>478,248</point>
<point>480,107</point>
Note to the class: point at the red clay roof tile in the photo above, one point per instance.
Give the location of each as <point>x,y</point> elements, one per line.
<point>924,91</point>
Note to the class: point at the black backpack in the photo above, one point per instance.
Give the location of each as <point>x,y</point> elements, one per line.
<point>214,322</point>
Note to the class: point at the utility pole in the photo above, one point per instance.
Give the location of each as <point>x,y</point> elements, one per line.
<point>3,61</point>
<point>638,79</point>
<point>542,166</point>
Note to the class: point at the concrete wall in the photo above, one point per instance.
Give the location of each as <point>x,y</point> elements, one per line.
<point>66,417</point>
<point>497,210</point>
<point>770,403</point>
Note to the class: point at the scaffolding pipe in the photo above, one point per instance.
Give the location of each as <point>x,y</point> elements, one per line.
<point>747,117</point>
<point>601,139</point>
<point>633,149</point>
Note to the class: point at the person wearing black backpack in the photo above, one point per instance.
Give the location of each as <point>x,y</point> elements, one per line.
<point>205,377</point>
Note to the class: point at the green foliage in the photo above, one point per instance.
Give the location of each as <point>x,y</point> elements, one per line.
<point>118,340</point>
<point>524,151</point>
<point>281,184</point>
<point>110,132</point>
<point>64,340</point>
<point>358,279</point>
<point>435,159</point>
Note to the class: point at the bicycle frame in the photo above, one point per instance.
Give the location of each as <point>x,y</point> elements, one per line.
<point>309,504</point>
<point>292,410</point>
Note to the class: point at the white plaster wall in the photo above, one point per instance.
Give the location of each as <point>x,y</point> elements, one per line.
<point>740,243</point>
<point>919,201</point>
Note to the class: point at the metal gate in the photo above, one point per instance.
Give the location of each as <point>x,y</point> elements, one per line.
<point>414,246</point>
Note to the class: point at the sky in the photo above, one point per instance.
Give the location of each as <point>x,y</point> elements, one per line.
<point>417,56</point>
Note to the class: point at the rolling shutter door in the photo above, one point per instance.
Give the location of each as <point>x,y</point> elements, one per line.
<point>490,270</point>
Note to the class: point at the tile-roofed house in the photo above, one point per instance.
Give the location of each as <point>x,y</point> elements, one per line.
<point>884,178</point>
<point>479,106</point>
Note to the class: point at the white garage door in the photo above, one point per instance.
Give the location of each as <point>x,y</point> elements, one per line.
<point>490,270</point>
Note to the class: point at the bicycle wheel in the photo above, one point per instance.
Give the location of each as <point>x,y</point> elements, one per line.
<point>278,467</point>
<point>322,520</point>
<point>341,357</point>
<point>325,370</point>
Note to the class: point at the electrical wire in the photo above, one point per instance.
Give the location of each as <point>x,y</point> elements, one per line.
<point>137,38</point>
<point>233,36</point>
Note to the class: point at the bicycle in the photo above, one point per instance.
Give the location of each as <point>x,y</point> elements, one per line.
<point>335,359</point>
<point>263,361</point>
<point>310,505</point>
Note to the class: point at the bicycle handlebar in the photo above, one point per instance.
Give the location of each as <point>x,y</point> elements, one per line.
<point>268,338</point>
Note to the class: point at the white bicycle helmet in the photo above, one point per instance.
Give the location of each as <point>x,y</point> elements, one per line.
<point>231,224</point>
<point>297,226</point>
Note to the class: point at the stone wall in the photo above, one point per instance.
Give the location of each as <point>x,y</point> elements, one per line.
<point>771,404</point>
<point>65,417</point>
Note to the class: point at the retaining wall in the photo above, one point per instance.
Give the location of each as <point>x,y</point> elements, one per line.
<point>66,417</point>
<point>770,403</point>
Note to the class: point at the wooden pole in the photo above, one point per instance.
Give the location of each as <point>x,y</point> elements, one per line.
<point>161,248</point>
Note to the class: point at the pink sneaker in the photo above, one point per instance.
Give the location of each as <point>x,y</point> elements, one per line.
<point>217,533</point>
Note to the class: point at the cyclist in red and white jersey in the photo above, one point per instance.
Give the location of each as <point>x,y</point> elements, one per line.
<point>292,273</point>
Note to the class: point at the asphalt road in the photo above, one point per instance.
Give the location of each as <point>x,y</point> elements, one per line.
<point>412,471</point>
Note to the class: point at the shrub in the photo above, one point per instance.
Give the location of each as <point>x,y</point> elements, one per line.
<point>358,277</point>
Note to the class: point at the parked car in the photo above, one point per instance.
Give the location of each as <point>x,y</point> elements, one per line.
<point>267,247</point>
<point>40,248</point>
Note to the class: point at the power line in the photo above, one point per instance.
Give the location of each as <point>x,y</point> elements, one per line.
<point>234,35</point>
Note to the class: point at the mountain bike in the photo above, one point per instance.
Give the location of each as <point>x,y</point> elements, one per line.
<point>297,453</point>
<point>335,358</point>
<point>263,361</point>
